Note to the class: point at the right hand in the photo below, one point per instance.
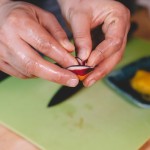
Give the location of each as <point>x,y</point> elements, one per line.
<point>25,28</point>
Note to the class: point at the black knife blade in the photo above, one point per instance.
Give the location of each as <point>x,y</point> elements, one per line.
<point>64,93</point>
<point>3,76</point>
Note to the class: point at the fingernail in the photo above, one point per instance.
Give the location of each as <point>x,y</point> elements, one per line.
<point>72,82</point>
<point>68,45</point>
<point>91,83</point>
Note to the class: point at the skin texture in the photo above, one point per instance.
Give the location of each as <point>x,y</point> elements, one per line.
<point>25,29</point>
<point>84,15</point>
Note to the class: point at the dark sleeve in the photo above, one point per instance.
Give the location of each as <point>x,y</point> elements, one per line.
<point>53,7</point>
<point>130,4</point>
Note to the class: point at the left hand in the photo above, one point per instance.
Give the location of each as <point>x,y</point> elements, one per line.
<point>84,15</point>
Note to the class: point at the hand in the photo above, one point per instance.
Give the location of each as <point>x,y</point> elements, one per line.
<point>84,15</point>
<point>26,29</point>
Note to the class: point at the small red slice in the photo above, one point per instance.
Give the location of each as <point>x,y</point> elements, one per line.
<point>81,71</point>
<point>81,62</point>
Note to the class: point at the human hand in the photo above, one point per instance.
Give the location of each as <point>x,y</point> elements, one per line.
<point>26,29</point>
<point>82,16</point>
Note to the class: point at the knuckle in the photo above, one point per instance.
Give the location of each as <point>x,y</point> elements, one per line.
<point>100,55</point>
<point>117,42</point>
<point>29,67</point>
<point>14,17</point>
<point>121,10</point>
<point>74,12</point>
<point>80,35</point>
<point>44,46</point>
<point>59,32</point>
<point>120,6</point>
<point>71,13</point>
<point>126,11</point>
<point>50,15</point>
<point>82,40</point>
<point>58,78</point>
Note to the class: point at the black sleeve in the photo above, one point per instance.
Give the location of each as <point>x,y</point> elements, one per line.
<point>130,4</point>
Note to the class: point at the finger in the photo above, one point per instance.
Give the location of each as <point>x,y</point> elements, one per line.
<point>114,32</point>
<point>30,63</point>
<point>50,22</point>
<point>51,72</point>
<point>105,66</point>
<point>5,67</point>
<point>80,25</point>
<point>103,69</point>
<point>40,39</point>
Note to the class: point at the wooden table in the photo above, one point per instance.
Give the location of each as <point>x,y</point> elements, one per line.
<point>12,141</point>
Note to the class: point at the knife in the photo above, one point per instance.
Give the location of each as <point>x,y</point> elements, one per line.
<point>3,76</point>
<point>64,93</point>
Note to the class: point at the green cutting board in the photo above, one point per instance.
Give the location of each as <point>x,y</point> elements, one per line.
<point>95,118</point>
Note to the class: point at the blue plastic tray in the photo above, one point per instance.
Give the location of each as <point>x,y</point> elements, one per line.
<point>120,81</point>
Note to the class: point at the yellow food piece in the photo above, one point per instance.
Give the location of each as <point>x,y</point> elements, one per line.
<point>81,78</point>
<point>141,82</point>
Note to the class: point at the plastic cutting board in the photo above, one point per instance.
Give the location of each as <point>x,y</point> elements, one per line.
<point>95,118</point>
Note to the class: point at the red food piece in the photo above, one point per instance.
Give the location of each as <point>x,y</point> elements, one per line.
<point>81,71</point>
<point>82,63</point>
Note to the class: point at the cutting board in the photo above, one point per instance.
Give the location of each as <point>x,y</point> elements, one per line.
<point>95,118</point>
